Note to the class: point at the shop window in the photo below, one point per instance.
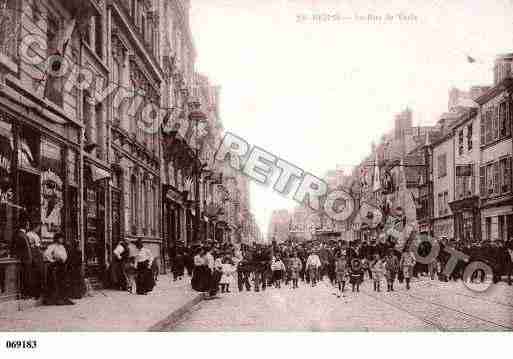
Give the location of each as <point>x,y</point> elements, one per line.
<point>52,200</point>
<point>133,203</point>
<point>72,202</point>
<point>72,168</point>
<point>7,207</point>
<point>28,151</point>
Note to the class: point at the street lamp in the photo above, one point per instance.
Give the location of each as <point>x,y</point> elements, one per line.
<point>196,115</point>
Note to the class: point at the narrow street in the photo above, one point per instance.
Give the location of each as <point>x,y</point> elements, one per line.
<point>429,306</point>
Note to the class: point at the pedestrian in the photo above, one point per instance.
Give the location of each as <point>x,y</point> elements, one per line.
<point>243,274</point>
<point>55,257</point>
<point>131,273</point>
<point>26,247</point>
<point>227,275</point>
<point>200,275</point>
<point>378,269</point>
<point>216,270</point>
<point>356,275</point>
<point>144,279</point>
<point>509,269</point>
<point>178,265</point>
<point>366,267</point>
<point>75,283</point>
<point>189,261</point>
<point>278,268</point>
<point>391,269</point>
<point>341,272</point>
<point>295,268</point>
<point>118,278</point>
<point>407,262</point>
<point>313,264</point>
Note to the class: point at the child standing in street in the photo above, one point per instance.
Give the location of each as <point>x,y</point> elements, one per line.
<point>278,268</point>
<point>131,273</point>
<point>407,263</point>
<point>227,270</point>
<point>295,267</point>
<point>377,269</point>
<point>356,275</point>
<point>391,270</point>
<point>341,273</point>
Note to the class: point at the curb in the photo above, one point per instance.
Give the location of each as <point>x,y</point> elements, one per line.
<point>172,319</point>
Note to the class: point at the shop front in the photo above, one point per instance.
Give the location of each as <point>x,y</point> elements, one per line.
<point>467,219</point>
<point>95,244</point>
<point>38,182</point>
<point>443,228</point>
<point>172,217</point>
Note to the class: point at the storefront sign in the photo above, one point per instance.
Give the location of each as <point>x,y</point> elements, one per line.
<point>464,170</point>
<point>52,203</point>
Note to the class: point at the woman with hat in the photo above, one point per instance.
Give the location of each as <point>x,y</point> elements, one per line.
<point>143,260</point>
<point>56,257</point>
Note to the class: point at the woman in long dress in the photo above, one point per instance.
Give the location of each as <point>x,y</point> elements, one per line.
<point>144,279</point>
<point>200,276</point>
<point>56,258</point>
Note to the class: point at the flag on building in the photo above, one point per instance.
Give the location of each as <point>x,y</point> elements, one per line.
<point>54,78</point>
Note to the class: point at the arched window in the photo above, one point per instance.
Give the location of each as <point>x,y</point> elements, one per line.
<point>133,203</point>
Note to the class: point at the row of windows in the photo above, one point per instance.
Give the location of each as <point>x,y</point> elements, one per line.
<point>495,178</point>
<point>496,123</point>
<point>443,203</point>
<point>143,206</point>
<point>462,140</point>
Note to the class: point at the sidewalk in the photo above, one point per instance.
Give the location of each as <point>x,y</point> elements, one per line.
<point>109,310</point>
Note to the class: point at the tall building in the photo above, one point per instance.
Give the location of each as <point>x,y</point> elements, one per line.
<point>82,147</point>
<point>279,225</point>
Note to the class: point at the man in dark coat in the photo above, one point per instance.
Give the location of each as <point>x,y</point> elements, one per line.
<point>31,262</point>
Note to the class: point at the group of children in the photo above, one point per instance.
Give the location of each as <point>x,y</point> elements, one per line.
<point>388,267</point>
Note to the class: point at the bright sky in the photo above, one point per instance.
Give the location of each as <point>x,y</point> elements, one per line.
<point>318,93</point>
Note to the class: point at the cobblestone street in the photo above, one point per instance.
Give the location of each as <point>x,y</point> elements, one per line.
<point>429,306</point>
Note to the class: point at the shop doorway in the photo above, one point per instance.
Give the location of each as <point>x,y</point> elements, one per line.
<point>94,229</point>
<point>30,194</point>
<point>116,216</point>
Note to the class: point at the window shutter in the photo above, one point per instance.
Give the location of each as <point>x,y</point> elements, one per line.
<point>508,118</point>
<point>482,181</point>
<point>496,178</point>
<point>483,129</point>
<point>473,180</point>
<point>496,122</point>
<point>506,179</point>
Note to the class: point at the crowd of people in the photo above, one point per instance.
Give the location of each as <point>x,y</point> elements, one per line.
<point>53,274</point>
<point>257,267</point>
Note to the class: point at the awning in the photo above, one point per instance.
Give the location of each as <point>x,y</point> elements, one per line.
<point>98,173</point>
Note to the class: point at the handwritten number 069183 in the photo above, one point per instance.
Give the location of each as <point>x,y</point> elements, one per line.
<point>21,344</point>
